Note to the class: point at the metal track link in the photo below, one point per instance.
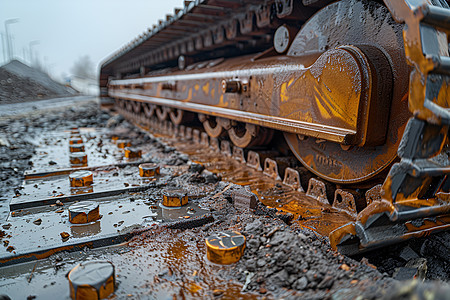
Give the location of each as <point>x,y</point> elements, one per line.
<point>415,194</point>
<point>282,169</point>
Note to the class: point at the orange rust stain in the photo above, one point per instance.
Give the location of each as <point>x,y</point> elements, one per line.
<point>222,103</point>
<point>205,88</point>
<point>189,96</point>
<point>337,234</point>
<point>47,253</point>
<point>284,97</point>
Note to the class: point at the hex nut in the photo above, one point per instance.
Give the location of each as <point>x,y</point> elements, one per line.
<point>81,178</point>
<point>78,158</point>
<point>132,152</point>
<point>74,131</point>
<point>174,198</point>
<point>75,140</point>
<point>84,212</point>
<point>148,170</point>
<point>123,144</point>
<point>225,247</point>
<point>92,280</point>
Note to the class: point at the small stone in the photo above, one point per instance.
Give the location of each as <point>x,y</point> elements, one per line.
<point>281,278</point>
<point>260,263</point>
<point>37,222</point>
<point>64,235</point>
<point>218,292</point>
<point>262,290</point>
<point>344,267</point>
<point>301,283</point>
<point>7,226</point>
<point>326,283</point>
<point>196,168</point>
<point>253,244</point>
<point>407,254</point>
<point>59,203</point>
<point>365,261</point>
<point>254,226</point>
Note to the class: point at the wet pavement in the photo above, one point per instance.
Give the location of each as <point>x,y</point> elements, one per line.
<point>159,252</point>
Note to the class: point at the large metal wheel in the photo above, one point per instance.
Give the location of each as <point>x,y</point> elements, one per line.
<point>178,116</point>
<point>136,107</point>
<point>246,135</point>
<point>213,126</point>
<point>162,113</point>
<point>149,109</point>
<point>352,22</point>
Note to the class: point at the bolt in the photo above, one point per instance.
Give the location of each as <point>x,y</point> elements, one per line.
<point>78,158</point>
<point>132,152</point>
<point>84,212</point>
<point>148,170</point>
<point>75,140</point>
<point>76,148</point>
<point>225,247</point>
<point>175,198</point>
<point>123,144</point>
<point>92,280</point>
<point>231,86</point>
<point>81,178</point>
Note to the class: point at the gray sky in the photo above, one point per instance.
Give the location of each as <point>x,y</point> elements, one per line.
<point>67,30</point>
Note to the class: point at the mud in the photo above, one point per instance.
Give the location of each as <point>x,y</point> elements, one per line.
<point>167,259</point>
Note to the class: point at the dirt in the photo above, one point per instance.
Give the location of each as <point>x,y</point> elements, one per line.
<point>19,82</point>
<point>280,261</point>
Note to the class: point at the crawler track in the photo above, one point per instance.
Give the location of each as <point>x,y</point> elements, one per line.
<point>344,99</point>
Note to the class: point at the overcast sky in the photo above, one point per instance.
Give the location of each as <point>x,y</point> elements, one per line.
<point>66,30</point>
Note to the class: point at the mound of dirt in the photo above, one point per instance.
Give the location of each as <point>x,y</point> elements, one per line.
<point>19,82</point>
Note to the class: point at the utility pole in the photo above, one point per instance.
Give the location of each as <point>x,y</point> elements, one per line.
<point>8,38</point>
<point>31,44</point>
<point>4,46</point>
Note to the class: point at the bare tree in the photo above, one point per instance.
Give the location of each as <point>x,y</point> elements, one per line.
<point>83,67</point>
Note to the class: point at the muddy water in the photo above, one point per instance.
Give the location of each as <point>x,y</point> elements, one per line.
<point>308,212</point>
<point>162,264</point>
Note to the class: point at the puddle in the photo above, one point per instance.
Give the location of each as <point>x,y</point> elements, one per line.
<point>308,212</point>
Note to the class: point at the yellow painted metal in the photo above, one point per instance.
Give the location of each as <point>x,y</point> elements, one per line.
<point>225,247</point>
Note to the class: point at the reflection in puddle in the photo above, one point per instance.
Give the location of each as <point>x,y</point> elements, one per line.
<point>308,212</point>
<point>82,190</point>
<point>83,230</point>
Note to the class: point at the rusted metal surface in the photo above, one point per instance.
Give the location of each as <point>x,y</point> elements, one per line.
<point>413,185</point>
<point>341,97</point>
<point>48,215</point>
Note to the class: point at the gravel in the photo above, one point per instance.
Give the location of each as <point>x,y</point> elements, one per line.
<point>280,261</point>
<point>19,82</point>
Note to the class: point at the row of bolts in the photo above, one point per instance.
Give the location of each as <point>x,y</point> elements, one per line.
<point>225,247</point>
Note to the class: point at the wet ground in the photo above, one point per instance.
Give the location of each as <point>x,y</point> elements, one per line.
<point>165,255</point>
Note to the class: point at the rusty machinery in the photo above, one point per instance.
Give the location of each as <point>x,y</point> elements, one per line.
<point>359,89</point>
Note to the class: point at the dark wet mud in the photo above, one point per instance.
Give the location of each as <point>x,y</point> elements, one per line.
<point>165,255</point>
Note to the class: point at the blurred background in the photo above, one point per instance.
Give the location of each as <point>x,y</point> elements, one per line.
<point>68,40</point>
